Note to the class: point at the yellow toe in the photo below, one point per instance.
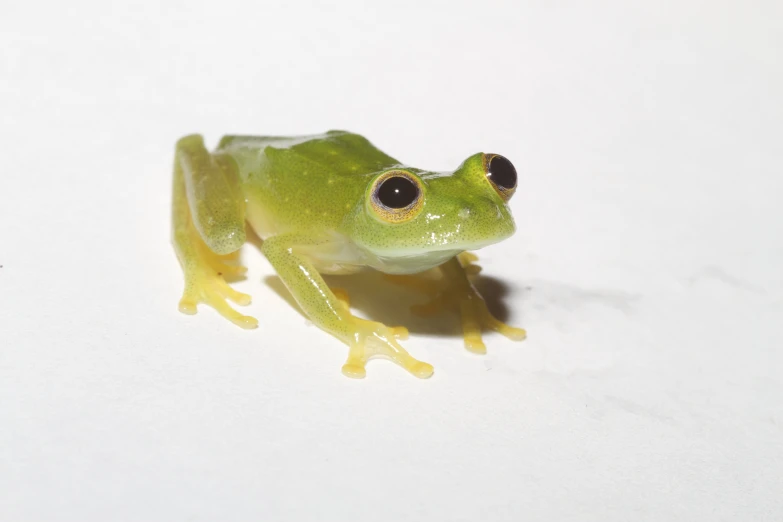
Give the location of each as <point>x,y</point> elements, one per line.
<point>472,269</point>
<point>229,293</point>
<point>354,371</point>
<point>246,322</point>
<point>421,370</point>
<point>400,332</point>
<point>475,345</point>
<point>515,334</point>
<point>186,306</point>
<point>467,258</point>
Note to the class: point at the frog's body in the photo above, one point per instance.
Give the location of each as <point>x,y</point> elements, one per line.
<point>333,203</point>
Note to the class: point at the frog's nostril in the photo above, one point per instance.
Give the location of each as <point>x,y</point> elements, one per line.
<point>488,205</point>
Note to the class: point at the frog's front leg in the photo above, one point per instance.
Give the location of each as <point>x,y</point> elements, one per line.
<point>208,229</point>
<point>365,339</point>
<point>475,316</point>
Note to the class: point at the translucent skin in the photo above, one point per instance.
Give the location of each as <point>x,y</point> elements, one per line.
<point>310,200</point>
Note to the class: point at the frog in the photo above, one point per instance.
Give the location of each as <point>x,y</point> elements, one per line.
<point>335,204</point>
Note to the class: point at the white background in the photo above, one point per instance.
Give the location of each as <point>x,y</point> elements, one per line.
<point>647,266</point>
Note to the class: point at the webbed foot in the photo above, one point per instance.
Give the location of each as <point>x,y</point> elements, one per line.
<point>205,283</point>
<point>373,339</point>
<point>454,290</point>
<point>384,338</point>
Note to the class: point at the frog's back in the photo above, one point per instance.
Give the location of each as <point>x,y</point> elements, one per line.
<point>304,181</point>
<point>342,152</point>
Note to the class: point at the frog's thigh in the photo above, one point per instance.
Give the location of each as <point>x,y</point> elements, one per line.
<point>222,229</point>
<point>213,194</point>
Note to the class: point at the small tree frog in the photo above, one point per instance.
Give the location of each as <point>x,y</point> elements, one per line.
<point>335,204</point>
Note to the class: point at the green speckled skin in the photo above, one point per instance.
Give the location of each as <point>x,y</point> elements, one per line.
<point>309,199</point>
<point>320,186</point>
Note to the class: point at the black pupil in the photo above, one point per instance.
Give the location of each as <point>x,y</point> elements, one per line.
<point>397,192</point>
<point>502,173</point>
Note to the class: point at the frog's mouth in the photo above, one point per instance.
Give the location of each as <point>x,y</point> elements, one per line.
<point>443,242</point>
<point>411,262</point>
<point>414,260</point>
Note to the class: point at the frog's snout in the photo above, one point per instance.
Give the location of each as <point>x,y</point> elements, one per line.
<point>486,209</point>
<point>483,221</point>
<point>478,207</point>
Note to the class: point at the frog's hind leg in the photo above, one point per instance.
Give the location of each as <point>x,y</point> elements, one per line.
<point>453,289</point>
<point>208,229</point>
<point>475,316</point>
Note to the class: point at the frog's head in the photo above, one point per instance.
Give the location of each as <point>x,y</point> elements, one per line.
<point>411,219</point>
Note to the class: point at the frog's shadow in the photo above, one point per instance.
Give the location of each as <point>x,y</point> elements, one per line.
<point>376,298</point>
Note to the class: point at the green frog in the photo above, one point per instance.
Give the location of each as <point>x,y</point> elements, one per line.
<point>335,204</point>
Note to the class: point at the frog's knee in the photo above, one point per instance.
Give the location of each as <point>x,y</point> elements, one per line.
<point>190,141</point>
<point>224,238</point>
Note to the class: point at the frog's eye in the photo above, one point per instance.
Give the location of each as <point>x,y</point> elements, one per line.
<point>396,196</point>
<point>502,174</point>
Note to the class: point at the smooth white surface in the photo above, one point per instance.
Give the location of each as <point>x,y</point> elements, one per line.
<point>647,267</point>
